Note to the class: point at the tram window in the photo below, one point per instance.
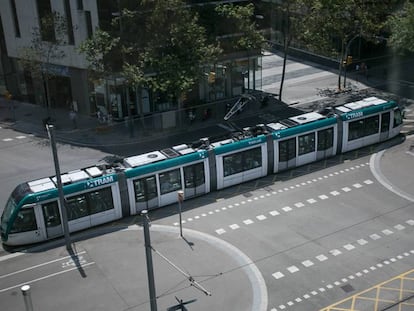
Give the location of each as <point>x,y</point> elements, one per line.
<point>385,122</point>
<point>194,175</point>
<point>363,127</point>
<point>242,161</point>
<point>287,150</point>
<point>51,214</point>
<point>77,207</point>
<point>397,117</point>
<point>306,143</point>
<point>170,181</point>
<point>100,200</point>
<point>252,159</point>
<point>325,139</point>
<point>25,221</point>
<point>232,164</point>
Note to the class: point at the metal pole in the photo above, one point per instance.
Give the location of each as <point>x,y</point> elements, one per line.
<point>27,297</point>
<point>150,269</point>
<point>180,194</point>
<point>64,217</point>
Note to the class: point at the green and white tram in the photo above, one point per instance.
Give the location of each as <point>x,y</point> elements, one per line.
<point>32,212</point>
<point>100,194</point>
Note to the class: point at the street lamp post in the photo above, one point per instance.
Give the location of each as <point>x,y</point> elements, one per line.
<point>150,268</point>
<point>63,213</point>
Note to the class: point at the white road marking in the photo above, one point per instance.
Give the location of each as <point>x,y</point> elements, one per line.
<point>335,252</point>
<point>44,277</point>
<point>220,231</point>
<point>286,209</point>
<point>261,217</point>
<point>349,247</point>
<point>293,269</point>
<point>234,226</point>
<point>278,275</point>
<point>307,263</point>
<point>321,257</point>
<point>39,265</point>
<point>248,221</point>
<point>274,213</point>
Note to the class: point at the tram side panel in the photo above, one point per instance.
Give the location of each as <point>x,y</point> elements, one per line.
<point>304,144</point>
<point>362,130</point>
<point>157,186</point>
<point>243,164</point>
<point>88,203</point>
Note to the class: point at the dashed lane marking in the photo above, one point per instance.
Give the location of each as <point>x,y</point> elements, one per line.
<point>275,192</point>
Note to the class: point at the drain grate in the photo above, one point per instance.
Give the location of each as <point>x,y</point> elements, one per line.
<point>347,288</point>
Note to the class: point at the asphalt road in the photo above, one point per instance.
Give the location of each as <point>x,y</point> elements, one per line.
<point>310,237</point>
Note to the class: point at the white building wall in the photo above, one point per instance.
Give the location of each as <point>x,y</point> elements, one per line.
<point>28,19</point>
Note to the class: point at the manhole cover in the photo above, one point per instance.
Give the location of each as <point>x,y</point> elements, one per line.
<point>347,288</point>
<point>247,194</point>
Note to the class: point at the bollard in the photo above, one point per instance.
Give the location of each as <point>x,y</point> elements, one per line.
<point>27,297</point>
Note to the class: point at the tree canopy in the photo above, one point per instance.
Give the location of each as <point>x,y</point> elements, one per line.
<point>161,47</point>
<point>401,25</point>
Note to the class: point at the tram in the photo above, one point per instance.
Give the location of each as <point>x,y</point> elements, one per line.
<point>110,191</point>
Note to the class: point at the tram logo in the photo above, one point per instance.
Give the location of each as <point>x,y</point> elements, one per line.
<point>353,115</point>
<point>100,181</point>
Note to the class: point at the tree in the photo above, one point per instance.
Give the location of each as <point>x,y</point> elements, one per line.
<point>241,26</point>
<point>401,25</point>
<point>290,10</point>
<point>45,48</point>
<point>157,44</point>
<point>331,26</point>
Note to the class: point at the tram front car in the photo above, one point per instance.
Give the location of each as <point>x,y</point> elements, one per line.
<point>18,221</point>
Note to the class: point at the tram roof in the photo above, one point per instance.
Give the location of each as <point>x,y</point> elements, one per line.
<point>363,107</point>
<point>71,177</point>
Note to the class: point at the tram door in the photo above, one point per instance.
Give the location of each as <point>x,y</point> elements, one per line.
<point>385,126</point>
<point>52,219</point>
<point>287,154</point>
<point>194,180</point>
<point>146,193</point>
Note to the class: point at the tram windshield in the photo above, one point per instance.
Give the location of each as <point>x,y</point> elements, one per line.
<point>10,205</point>
<point>17,195</point>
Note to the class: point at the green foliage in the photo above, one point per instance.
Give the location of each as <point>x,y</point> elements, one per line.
<point>330,24</point>
<point>160,46</point>
<point>242,25</point>
<point>95,50</point>
<point>401,25</point>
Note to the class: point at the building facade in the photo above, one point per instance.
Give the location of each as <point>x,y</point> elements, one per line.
<point>68,85</point>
